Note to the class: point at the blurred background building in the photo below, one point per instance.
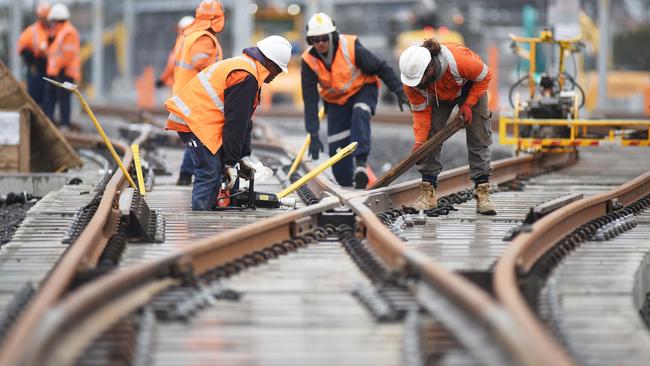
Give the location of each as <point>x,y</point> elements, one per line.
<point>137,35</point>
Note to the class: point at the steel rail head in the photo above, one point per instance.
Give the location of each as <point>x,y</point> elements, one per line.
<point>520,256</point>
<point>83,253</point>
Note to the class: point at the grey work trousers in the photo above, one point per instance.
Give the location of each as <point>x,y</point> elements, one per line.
<point>478,134</point>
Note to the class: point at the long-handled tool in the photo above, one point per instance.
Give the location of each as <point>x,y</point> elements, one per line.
<point>73,88</point>
<point>436,140</point>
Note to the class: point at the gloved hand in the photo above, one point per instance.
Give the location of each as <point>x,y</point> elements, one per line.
<point>417,145</point>
<point>315,146</point>
<point>466,113</point>
<point>230,174</point>
<point>160,83</point>
<point>246,168</point>
<point>402,99</point>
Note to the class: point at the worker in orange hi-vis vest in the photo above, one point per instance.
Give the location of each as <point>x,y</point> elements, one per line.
<point>346,75</point>
<point>200,49</point>
<point>63,63</point>
<point>438,77</point>
<point>32,46</point>
<point>167,76</point>
<point>213,112</point>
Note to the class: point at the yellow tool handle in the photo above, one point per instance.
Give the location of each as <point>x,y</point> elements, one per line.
<point>309,176</point>
<point>138,168</point>
<point>301,153</point>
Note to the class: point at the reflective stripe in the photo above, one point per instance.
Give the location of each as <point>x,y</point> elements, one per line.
<point>251,62</point>
<point>419,107</point>
<point>183,65</point>
<point>338,136</point>
<point>483,73</point>
<point>363,106</point>
<point>177,119</point>
<point>204,78</point>
<point>343,43</point>
<point>199,56</point>
<point>452,64</point>
<point>181,105</point>
<point>68,47</point>
<point>35,39</point>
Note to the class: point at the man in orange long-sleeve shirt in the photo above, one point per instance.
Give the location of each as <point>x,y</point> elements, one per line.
<point>167,76</point>
<point>63,63</point>
<point>438,77</point>
<point>32,46</point>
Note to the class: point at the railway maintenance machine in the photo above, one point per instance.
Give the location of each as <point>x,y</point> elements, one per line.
<point>548,118</point>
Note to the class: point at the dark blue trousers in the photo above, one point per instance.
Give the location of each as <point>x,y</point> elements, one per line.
<point>187,165</point>
<point>55,95</point>
<point>349,123</point>
<point>208,171</point>
<point>36,85</point>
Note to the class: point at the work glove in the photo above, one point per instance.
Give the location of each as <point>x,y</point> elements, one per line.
<point>160,83</point>
<point>466,113</point>
<point>402,100</point>
<point>231,176</point>
<point>246,168</point>
<point>315,146</point>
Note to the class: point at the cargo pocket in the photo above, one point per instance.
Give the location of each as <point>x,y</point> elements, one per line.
<point>197,151</point>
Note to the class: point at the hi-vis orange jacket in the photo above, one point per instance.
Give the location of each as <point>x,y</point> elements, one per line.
<point>63,53</point>
<point>345,79</point>
<point>462,65</point>
<point>199,50</point>
<point>167,76</point>
<point>199,105</point>
<point>35,39</point>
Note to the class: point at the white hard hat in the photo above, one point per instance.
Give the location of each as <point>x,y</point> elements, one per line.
<point>276,49</point>
<point>413,63</point>
<point>185,21</point>
<point>59,11</point>
<point>319,24</point>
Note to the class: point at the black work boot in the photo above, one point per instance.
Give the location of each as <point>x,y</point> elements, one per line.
<point>360,177</point>
<point>184,179</point>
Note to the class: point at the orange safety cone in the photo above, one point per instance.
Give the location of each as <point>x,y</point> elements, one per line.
<point>372,178</point>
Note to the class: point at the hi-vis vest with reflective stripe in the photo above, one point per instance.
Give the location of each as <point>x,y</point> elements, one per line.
<point>184,69</point>
<point>35,39</point>
<point>345,79</point>
<point>449,87</point>
<point>56,58</point>
<point>199,104</point>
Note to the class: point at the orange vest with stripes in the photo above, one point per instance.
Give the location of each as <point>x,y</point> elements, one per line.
<point>199,105</point>
<point>63,53</point>
<point>34,38</point>
<point>344,79</point>
<point>184,69</point>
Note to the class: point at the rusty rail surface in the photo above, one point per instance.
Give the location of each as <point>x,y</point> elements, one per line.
<point>50,320</point>
<point>522,254</point>
<point>83,254</point>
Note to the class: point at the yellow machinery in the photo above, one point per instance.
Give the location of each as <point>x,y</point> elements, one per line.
<point>548,120</point>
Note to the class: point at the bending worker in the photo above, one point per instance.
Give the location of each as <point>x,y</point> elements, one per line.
<point>438,77</point>
<point>167,76</point>
<point>200,49</point>
<point>212,115</point>
<point>63,62</point>
<point>346,75</point>
<point>32,47</point>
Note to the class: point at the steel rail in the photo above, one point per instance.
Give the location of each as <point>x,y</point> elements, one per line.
<point>522,254</point>
<point>80,255</point>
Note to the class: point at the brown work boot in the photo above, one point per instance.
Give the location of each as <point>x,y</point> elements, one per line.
<point>427,198</point>
<point>484,205</point>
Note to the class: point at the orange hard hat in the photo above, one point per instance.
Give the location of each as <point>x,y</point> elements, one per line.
<point>209,14</point>
<point>43,9</point>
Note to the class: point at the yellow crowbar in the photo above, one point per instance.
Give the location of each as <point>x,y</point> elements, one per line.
<point>138,168</point>
<point>73,88</point>
<point>319,169</point>
<point>298,158</point>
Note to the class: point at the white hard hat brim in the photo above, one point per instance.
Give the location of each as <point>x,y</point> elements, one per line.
<point>322,32</point>
<point>411,81</point>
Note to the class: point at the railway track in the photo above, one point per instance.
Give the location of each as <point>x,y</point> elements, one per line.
<point>352,278</point>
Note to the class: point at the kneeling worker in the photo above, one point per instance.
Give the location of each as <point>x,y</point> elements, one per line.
<point>212,115</point>
<point>437,77</point>
<point>348,75</point>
